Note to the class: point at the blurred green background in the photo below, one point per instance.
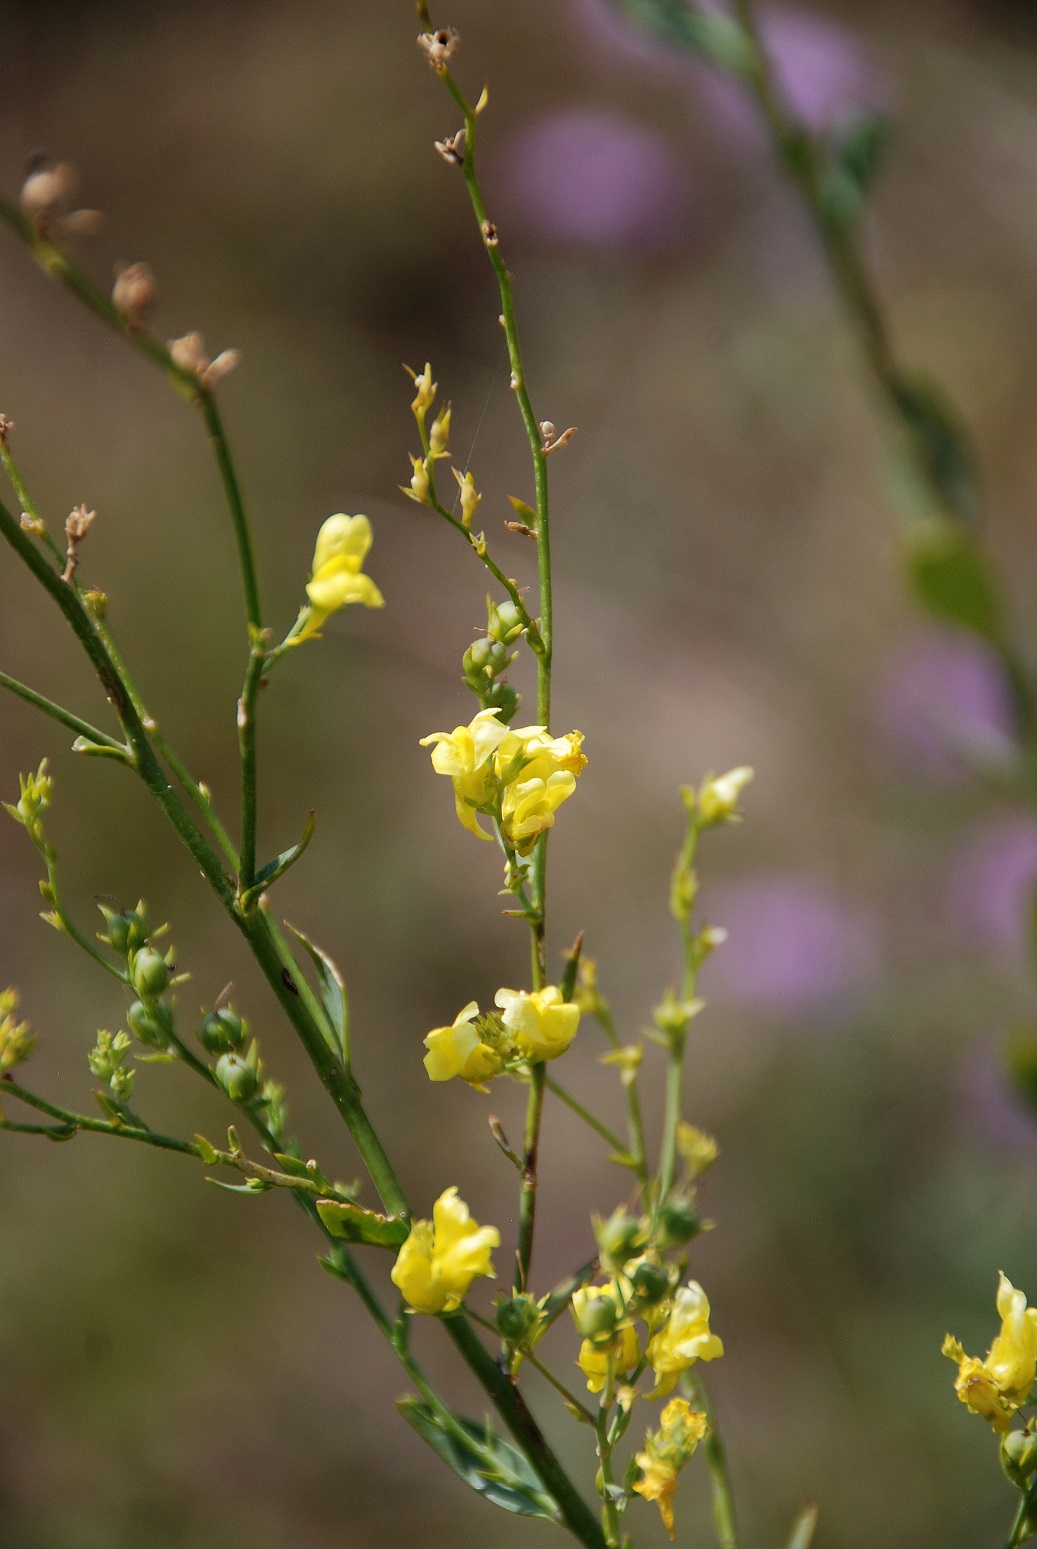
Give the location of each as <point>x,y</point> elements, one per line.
<point>175,1371</point>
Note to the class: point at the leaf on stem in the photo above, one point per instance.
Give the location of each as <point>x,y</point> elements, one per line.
<point>103,750</point>
<point>332,994</point>
<point>802,1535</point>
<point>274,870</point>
<point>951,578</point>
<point>352,1223</point>
<point>488,1465</point>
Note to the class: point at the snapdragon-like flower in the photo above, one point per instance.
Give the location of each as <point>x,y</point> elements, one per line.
<point>666,1451</point>
<point>466,755</point>
<point>542,1024</point>
<point>337,578</point>
<point>441,1257</point>
<point>997,1386</point>
<point>683,1339</point>
<point>458,1050</point>
<point>537,772</point>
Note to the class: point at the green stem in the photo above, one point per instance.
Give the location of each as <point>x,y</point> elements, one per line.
<point>609,1510</point>
<point>236,506</point>
<point>716,1459</point>
<point>249,772</point>
<point>59,713</point>
<point>635,1117</point>
<point>608,1136</point>
<point>528,1190</point>
<point>512,1408</point>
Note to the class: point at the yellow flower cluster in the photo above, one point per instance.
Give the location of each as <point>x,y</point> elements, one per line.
<point>681,1333</point>
<point>537,1025</point>
<point>520,777</point>
<point>441,1257</point>
<point>666,1451</point>
<point>16,1040</point>
<point>337,577</point>
<point>996,1386</point>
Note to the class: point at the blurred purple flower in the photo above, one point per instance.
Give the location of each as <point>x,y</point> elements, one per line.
<point>993,881</point>
<point>825,72</point>
<point>594,179</point>
<point>792,944</point>
<point>944,702</point>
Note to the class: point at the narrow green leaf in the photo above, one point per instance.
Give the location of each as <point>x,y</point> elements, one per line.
<point>488,1465</point>
<point>802,1535</point>
<point>332,993</point>
<point>352,1223</point>
<point>102,750</point>
<point>952,579</point>
<point>253,1186</point>
<point>206,1150</point>
<point>942,446</point>
<point>524,512</point>
<point>267,875</point>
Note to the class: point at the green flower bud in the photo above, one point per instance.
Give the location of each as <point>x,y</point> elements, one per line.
<point>222,1031</point>
<point>651,1282</point>
<point>619,1239</point>
<point>504,622</point>
<point>678,1222</point>
<point>126,932</point>
<point>1019,1456</point>
<point>237,1078</point>
<point>518,1317</point>
<point>500,696</point>
<point>477,660</point>
<point>149,972</point>
<point>597,1318</point>
<point>151,1024</point>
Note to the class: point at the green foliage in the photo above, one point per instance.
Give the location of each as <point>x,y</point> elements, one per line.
<point>952,579</point>
<point>488,1465</point>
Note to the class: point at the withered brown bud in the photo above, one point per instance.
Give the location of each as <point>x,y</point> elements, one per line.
<point>439,47</point>
<point>135,293</point>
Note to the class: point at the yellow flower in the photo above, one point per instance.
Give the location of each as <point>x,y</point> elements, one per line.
<point>542,1024</point>
<point>16,1040</point>
<point>538,772</point>
<point>441,1257</point>
<point>666,1451</point>
<point>996,1386</point>
<point>424,390</point>
<point>599,1313</point>
<point>698,1149</point>
<point>439,435</point>
<point>624,1352</point>
<point>683,1339</point>
<point>458,1051</point>
<point>418,488</point>
<point>337,578</point>
<point>718,795</point>
<point>470,497</point>
<point>466,755</point>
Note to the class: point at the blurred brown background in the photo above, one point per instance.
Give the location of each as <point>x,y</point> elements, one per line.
<point>175,1372</point>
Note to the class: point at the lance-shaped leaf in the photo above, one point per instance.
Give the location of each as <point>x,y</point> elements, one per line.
<point>102,750</point>
<point>488,1465</point>
<point>352,1223</point>
<point>942,447</point>
<point>332,994</point>
<point>267,875</point>
<point>951,577</point>
<point>802,1535</point>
